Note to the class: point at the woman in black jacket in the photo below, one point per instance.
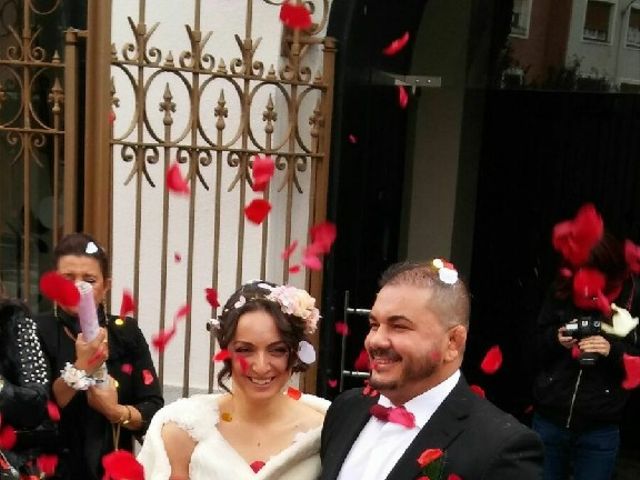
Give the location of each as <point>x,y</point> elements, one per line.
<point>96,420</point>
<point>23,387</point>
<point>582,337</point>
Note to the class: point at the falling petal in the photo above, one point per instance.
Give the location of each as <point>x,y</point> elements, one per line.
<point>47,464</point>
<point>362,362</point>
<point>312,262</point>
<point>175,182</point>
<point>403,96</point>
<point>529,409</point>
<point>286,253</point>
<point>128,304</point>
<point>126,368</point>
<point>177,257</point>
<point>8,437</point>
<point>263,168</point>
<point>342,329</point>
<point>244,365</point>
<point>492,360</point>
<point>323,235</point>
<point>161,339</point>
<point>147,377</point>
<point>222,355</point>
<point>53,411</point>
<point>122,465</point>
<point>294,269</point>
<point>59,289</point>
<point>353,139</point>
<point>397,45</point>
<point>478,390</point>
<point>257,210</point>
<point>294,393</point>
<point>575,352</point>
<point>257,465</point>
<point>454,476</point>
<point>632,370</point>
<point>182,312</point>
<point>212,297</point>
<point>295,16</point>
<point>332,382</point>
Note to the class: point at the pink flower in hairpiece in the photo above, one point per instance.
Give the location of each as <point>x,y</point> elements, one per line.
<point>575,238</point>
<point>297,302</point>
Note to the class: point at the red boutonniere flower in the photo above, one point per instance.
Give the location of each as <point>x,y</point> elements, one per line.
<point>432,462</point>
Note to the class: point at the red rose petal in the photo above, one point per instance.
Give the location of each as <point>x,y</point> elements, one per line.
<point>122,465</point>
<point>403,96</point>
<point>632,369</point>
<point>454,476</point>
<point>529,409</point>
<point>175,182</point>
<point>212,297</point>
<point>323,235</point>
<point>47,464</point>
<point>263,168</point>
<point>53,411</point>
<point>397,45</point>
<point>222,355</point>
<point>161,339</point>
<point>177,257</point>
<point>126,368</point>
<point>295,16</point>
<point>147,377</point>
<point>244,365</point>
<point>294,269</point>
<point>257,210</point>
<point>182,312</point>
<point>362,362</point>
<point>286,253</point>
<point>332,382</point>
<point>312,262</point>
<point>8,437</point>
<point>478,390</point>
<point>575,352</point>
<point>127,305</point>
<point>257,465</point>
<point>294,393</point>
<point>342,328</point>
<point>492,360</point>
<point>59,289</point>
<point>353,139</point>
<point>429,455</point>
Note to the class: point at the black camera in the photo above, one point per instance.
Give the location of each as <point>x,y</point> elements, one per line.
<point>582,327</point>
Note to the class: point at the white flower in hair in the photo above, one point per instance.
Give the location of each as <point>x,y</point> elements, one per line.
<point>91,248</point>
<point>241,301</point>
<point>306,352</point>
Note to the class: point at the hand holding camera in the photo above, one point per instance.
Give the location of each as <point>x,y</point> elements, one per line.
<point>585,331</point>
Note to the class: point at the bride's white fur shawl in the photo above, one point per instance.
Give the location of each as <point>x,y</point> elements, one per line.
<point>213,458</point>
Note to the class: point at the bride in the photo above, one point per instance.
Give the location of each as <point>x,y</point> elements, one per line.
<point>254,430</point>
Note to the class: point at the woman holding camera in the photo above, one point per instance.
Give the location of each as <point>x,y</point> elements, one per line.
<point>584,329</point>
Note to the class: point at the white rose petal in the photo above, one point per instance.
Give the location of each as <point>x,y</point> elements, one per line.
<point>306,352</point>
<point>622,321</point>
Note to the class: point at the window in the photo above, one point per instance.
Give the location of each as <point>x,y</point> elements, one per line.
<point>633,28</point>
<point>520,18</point>
<point>597,22</point>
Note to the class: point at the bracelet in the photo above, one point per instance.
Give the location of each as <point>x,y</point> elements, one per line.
<point>126,419</point>
<point>76,378</point>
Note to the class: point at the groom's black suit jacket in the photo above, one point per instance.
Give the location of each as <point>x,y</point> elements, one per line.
<point>480,441</point>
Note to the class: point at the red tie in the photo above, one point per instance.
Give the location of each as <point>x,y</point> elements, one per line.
<point>399,415</point>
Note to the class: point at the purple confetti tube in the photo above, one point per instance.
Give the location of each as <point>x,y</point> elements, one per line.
<point>87,312</point>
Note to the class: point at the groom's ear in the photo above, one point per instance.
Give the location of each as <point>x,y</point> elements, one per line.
<point>456,342</point>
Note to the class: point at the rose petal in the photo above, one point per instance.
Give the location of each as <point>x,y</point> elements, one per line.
<point>294,269</point>
<point>454,476</point>
<point>128,304</point>
<point>257,210</point>
<point>161,339</point>
<point>222,355</point>
<point>429,455</point>
<point>632,370</point>
<point>59,289</point>
<point>286,253</point>
<point>529,409</point>
<point>122,465</point>
<point>47,464</point>
<point>353,139</point>
<point>333,383</point>
<point>294,393</point>
<point>362,362</point>
<point>177,257</point>
<point>323,235</point>
<point>397,45</point>
<point>263,168</point>
<point>212,297</point>
<point>8,437</point>
<point>257,465</point>
<point>312,262</point>
<point>342,329</point>
<point>295,16</point>
<point>492,360</point>
<point>403,96</point>
<point>182,312</point>
<point>175,182</point>
<point>147,377</point>
<point>126,368</point>
<point>575,352</point>
<point>244,365</point>
<point>478,390</point>
<point>53,411</point>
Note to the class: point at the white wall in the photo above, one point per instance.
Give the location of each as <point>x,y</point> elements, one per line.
<point>224,18</point>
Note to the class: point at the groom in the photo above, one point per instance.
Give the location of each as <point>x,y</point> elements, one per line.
<point>424,409</point>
